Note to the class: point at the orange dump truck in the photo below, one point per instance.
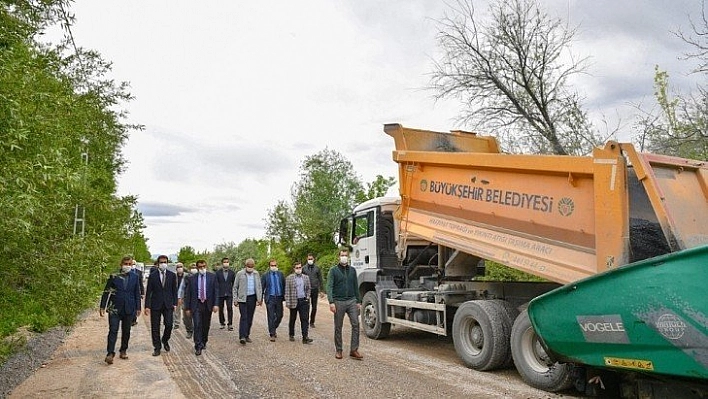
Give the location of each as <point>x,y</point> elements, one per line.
<point>420,257</point>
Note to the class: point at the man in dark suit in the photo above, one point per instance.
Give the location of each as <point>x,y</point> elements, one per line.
<point>160,303</point>
<point>200,302</point>
<point>139,273</point>
<point>225,281</point>
<point>273,283</point>
<point>121,300</point>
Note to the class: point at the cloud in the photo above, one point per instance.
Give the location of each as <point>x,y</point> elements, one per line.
<point>161,210</point>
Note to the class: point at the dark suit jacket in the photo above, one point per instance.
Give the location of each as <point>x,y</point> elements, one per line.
<point>191,293</point>
<point>122,294</point>
<point>266,283</point>
<point>225,281</point>
<point>140,280</point>
<point>157,296</point>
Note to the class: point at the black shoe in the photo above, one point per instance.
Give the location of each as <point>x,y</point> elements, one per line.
<point>312,325</point>
<point>198,352</point>
<point>231,328</point>
<point>248,340</point>
<point>222,326</point>
<point>133,324</point>
<point>292,338</point>
<point>189,335</point>
<point>166,345</point>
<point>156,352</point>
<point>177,327</point>
<point>307,340</point>
<point>242,341</point>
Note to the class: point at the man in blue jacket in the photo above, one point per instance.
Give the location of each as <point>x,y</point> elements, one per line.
<point>273,283</point>
<point>121,300</point>
<point>200,302</point>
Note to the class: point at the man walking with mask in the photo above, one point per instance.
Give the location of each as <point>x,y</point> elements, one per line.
<point>200,302</point>
<point>225,278</point>
<point>121,300</point>
<point>343,296</point>
<point>273,282</point>
<point>248,294</point>
<point>314,273</point>
<point>160,303</point>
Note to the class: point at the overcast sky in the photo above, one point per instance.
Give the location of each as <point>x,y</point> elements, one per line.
<point>234,94</point>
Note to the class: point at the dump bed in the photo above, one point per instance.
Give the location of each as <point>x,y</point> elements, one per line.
<point>562,218</point>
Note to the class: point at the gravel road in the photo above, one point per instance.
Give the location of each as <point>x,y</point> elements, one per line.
<point>408,364</point>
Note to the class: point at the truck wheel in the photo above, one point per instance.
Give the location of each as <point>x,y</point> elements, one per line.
<point>512,313</point>
<point>532,361</point>
<point>480,332</point>
<point>369,318</point>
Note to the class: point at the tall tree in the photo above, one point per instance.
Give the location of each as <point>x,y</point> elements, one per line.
<point>510,73</point>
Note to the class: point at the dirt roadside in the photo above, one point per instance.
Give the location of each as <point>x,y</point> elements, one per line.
<point>407,364</point>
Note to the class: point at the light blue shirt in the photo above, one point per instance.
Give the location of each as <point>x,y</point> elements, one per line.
<point>251,287</point>
<point>299,286</point>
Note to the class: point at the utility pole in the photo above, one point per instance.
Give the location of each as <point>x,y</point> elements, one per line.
<point>80,210</point>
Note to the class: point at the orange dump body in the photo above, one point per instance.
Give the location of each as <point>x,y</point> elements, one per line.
<point>562,218</point>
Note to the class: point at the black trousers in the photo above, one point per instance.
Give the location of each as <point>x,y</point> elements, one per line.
<point>201,319</point>
<point>302,309</point>
<point>125,322</point>
<point>314,297</point>
<point>166,315</point>
<point>229,310</point>
<point>247,310</point>
<point>274,306</point>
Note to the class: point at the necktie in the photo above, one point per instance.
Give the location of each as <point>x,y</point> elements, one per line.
<point>202,291</point>
<point>162,278</point>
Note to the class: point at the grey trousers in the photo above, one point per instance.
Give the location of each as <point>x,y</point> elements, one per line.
<point>349,308</point>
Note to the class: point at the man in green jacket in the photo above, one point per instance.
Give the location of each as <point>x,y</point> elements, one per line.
<point>344,298</point>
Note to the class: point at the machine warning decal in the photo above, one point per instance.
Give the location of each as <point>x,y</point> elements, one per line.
<point>670,326</point>
<point>603,329</point>
<point>566,206</point>
<point>635,364</point>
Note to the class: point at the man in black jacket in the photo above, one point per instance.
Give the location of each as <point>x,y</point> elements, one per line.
<point>225,285</point>
<point>160,303</point>
<point>121,300</point>
<point>313,271</point>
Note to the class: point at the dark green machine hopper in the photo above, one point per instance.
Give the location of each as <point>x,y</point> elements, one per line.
<point>650,316</point>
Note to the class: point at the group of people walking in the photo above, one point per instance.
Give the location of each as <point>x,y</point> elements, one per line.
<point>196,295</point>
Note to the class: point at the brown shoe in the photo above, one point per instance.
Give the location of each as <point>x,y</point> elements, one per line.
<point>109,358</point>
<point>355,355</point>
<point>338,355</point>
<point>123,355</point>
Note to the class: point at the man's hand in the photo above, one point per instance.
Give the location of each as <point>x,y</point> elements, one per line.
<point>322,294</point>
<point>100,312</point>
<point>259,303</point>
<point>332,308</point>
<point>215,309</point>
<point>137,313</point>
<point>358,307</point>
<point>147,311</point>
<point>187,312</point>
<point>179,302</point>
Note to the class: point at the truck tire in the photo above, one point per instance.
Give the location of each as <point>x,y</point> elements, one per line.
<point>532,362</point>
<point>373,327</point>
<point>512,313</point>
<point>480,332</point>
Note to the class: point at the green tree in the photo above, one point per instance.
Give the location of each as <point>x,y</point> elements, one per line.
<point>280,225</point>
<point>376,188</point>
<point>187,255</point>
<point>511,75</point>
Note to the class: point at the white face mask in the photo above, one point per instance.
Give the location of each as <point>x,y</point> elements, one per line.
<point>193,271</point>
<point>162,266</point>
<point>274,268</point>
<point>125,269</point>
<point>202,271</point>
<point>344,260</point>
<point>310,262</point>
<point>249,270</point>
<point>180,271</point>
<point>225,265</point>
<point>298,271</point>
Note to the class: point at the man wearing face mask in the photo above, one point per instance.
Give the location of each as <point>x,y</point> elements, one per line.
<point>200,302</point>
<point>248,294</point>
<point>121,300</point>
<point>343,296</point>
<point>186,319</point>
<point>315,274</point>
<point>225,278</point>
<point>297,299</point>
<point>160,303</point>
<point>273,283</point>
